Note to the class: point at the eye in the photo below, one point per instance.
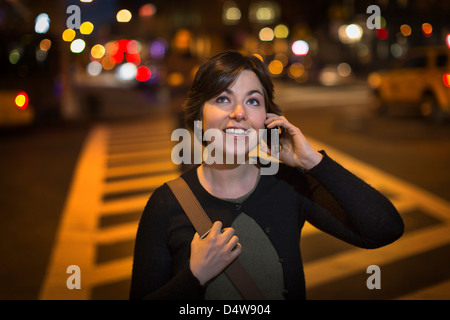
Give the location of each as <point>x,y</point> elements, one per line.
<point>222,99</point>
<point>253,102</point>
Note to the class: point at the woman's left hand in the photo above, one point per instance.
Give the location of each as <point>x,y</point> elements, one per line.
<point>295,150</point>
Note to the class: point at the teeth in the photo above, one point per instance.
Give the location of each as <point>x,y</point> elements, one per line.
<point>236,131</point>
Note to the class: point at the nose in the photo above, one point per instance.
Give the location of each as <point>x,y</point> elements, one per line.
<point>238,113</point>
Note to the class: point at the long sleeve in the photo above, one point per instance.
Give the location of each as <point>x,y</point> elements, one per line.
<point>152,276</point>
<point>348,208</point>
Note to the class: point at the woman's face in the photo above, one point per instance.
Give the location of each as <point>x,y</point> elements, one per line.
<point>237,113</point>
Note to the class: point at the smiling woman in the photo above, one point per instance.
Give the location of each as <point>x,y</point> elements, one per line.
<point>232,95</point>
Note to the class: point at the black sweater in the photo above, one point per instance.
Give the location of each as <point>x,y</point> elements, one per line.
<point>328,196</point>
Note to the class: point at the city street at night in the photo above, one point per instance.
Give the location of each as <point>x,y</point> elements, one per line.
<point>85,132</point>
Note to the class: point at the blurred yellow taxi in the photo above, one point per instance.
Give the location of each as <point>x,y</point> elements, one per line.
<point>421,80</point>
<point>15,108</point>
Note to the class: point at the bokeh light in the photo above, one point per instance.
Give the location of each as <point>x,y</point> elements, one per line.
<point>107,63</point>
<point>86,28</point>
<point>42,23</point>
<point>98,51</point>
<point>21,100</point>
<point>45,44</point>
<point>143,73</point>
<point>446,79</point>
<point>427,29</point>
<point>281,31</point>
<point>266,34</point>
<point>158,48</point>
<point>147,10</point>
<point>300,48</point>
<point>126,71</point>
<point>354,32</point>
<point>68,35</point>
<point>175,79</point>
<point>382,33</point>
<point>123,15</point>
<point>77,45</point>
<point>344,69</point>
<point>94,68</point>
<point>275,67</point>
<point>296,70</point>
<point>14,56</point>
<point>405,30</point>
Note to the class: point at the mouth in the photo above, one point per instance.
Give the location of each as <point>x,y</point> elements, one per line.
<point>237,131</point>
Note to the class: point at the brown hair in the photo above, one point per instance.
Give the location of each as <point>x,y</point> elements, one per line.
<point>217,74</point>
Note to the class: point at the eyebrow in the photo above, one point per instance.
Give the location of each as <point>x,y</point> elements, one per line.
<point>248,93</point>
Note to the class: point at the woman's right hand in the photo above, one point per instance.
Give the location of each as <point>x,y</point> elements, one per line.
<point>212,254</point>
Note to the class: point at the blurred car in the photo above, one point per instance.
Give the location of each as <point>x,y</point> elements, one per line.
<point>421,80</point>
<point>15,108</point>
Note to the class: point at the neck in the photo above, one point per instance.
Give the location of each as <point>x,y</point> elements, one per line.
<point>228,180</point>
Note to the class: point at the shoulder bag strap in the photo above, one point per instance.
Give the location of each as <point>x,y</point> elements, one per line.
<point>235,272</point>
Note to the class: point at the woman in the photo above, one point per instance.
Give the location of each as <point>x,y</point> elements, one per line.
<point>257,218</point>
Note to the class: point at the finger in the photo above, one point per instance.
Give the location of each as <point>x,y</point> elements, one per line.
<point>232,243</point>
<point>283,124</point>
<point>236,251</point>
<point>196,238</point>
<point>271,118</point>
<point>216,229</point>
<point>228,233</point>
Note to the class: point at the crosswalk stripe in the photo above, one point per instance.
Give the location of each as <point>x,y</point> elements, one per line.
<point>140,168</point>
<point>79,235</point>
<point>358,260</point>
<point>74,243</point>
<point>137,146</point>
<point>406,197</point>
<point>121,205</point>
<point>113,271</point>
<point>139,183</point>
<point>117,233</point>
<point>138,156</point>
